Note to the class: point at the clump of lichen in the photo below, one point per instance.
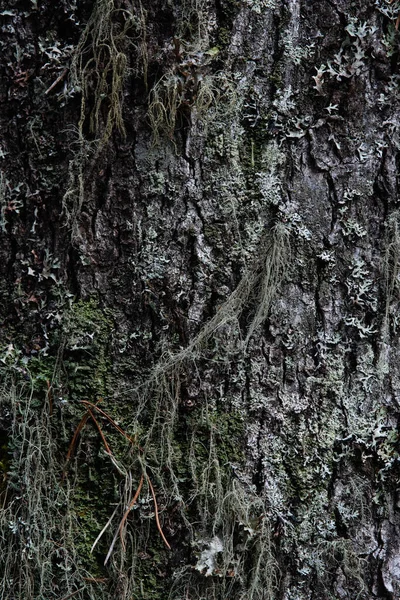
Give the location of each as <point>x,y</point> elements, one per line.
<point>99,69</point>
<point>100,64</point>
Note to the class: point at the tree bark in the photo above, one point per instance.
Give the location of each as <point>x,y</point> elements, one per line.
<point>200,244</point>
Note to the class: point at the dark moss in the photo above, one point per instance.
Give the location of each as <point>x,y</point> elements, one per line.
<point>227,11</point>
<point>86,361</point>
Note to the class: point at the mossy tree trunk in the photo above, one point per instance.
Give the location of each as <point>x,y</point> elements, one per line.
<point>200,246</point>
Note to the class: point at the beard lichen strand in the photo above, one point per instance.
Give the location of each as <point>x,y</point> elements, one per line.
<point>41,537</point>
<point>205,97</point>
<point>74,196</point>
<point>245,566</point>
<point>188,90</point>
<point>37,542</point>
<point>100,63</point>
<point>165,99</point>
<point>226,507</point>
<point>224,504</point>
<point>192,27</point>
<point>266,272</point>
<point>162,389</point>
<point>98,70</point>
<point>275,264</point>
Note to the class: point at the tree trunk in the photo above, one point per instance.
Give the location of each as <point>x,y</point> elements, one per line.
<point>200,246</point>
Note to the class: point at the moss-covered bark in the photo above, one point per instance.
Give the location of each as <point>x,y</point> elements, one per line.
<point>199,243</point>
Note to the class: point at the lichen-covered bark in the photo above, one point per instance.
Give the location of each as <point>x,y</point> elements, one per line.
<point>199,242</point>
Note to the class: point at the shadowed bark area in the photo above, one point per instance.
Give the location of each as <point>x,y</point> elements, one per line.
<point>199,255</point>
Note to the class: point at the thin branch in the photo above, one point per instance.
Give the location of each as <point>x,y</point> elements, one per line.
<point>131,505</point>
<point>119,530</point>
<point>113,423</point>
<point>103,530</point>
<point>107,447</point>
<point>111,548</point>
<point>81,425</point>
<point>156,513</point>
<point>53,85</point>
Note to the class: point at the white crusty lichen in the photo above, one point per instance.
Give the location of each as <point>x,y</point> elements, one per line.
<point>259,6</point>
<point>206,563</point>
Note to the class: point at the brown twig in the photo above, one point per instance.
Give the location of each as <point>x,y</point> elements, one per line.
<point>81,425</point>
<point>113,423</point>
<point>107,447</point>
<point>53,85</point>
<point>131,505</point>
<point>156,513</point>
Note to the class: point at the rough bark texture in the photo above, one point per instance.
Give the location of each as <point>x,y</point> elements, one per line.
<point>200,245</point>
